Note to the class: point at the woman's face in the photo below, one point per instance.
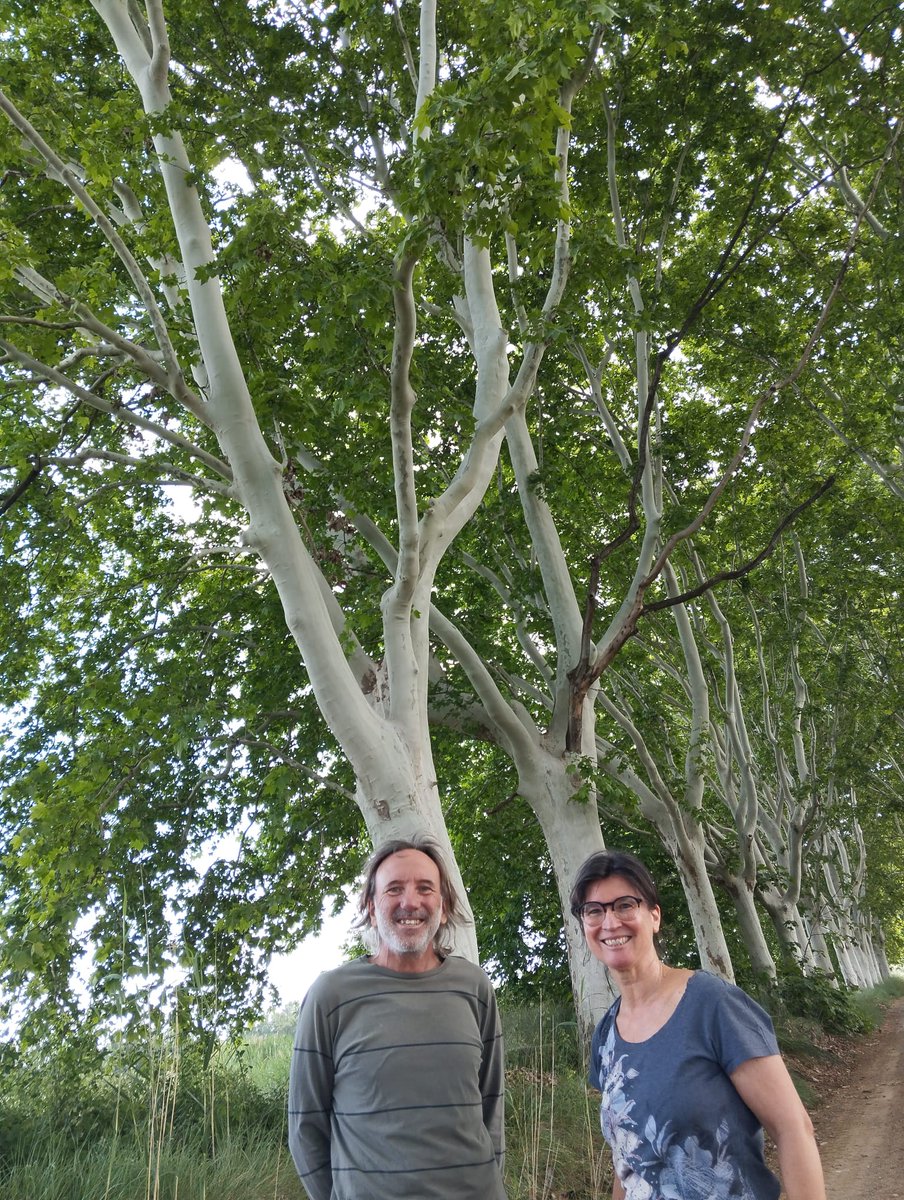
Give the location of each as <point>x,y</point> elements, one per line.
<point>620,942</point>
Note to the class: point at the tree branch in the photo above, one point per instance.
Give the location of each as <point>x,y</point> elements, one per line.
<point>58,170</point>
<point>327,191</point>
<point>46,290</point>
<point>402,406</point>
<point>58,326</point>
<point>295,763</point>
<point>721,576</point>
<point>10,498</point>
<point>561,256</point>
<point>406,45</point>
<point>162,468</point>
<point>164,265</point>
<point>426,77</point>
<point>585,676</point>
<point>160,53</point>
<point>121,413</point>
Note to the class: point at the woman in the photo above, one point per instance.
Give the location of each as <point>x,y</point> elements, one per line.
<point>688,1064</point>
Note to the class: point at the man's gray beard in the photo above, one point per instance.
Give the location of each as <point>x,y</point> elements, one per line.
<point>399,945</point>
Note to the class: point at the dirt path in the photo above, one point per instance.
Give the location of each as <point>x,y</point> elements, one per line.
<point>860,1128</point>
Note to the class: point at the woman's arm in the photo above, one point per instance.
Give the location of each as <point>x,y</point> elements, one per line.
<point>766,1088</point>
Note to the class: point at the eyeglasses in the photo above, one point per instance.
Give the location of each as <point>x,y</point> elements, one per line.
<point>624,907</point>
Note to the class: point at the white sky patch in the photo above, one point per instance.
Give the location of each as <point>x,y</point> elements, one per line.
<point>232,180</point>
<point>292,974</point>
<point>766,96</point>
<point>184,502</point>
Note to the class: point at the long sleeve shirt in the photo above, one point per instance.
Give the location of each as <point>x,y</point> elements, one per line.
<point>396,1085</point>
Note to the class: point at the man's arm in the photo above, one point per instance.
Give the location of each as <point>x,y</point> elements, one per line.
<point>311,1099</point>
<point>492,1078</point>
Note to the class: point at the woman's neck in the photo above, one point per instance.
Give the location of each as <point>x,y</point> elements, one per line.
<point>649,999</point>
<point>641,987</point>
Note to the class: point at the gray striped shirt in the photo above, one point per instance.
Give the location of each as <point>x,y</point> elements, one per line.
<point>396,1085</point>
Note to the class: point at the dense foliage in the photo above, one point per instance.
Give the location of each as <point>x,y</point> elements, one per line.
<point>730,227</point>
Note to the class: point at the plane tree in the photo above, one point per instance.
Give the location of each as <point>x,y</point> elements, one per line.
<point>418,355</point>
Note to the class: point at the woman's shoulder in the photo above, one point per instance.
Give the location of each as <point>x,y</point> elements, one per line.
<point>732,1010</point>
<point>707,984</point>
<point>712,991</point>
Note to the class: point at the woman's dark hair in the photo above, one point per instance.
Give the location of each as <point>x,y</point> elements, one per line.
<point>444,941</point>
<point>604,863</point>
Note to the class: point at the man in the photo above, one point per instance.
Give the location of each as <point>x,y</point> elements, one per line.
<point>396,1083</point>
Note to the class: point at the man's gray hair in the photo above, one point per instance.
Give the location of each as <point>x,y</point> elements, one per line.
<point>444,941</point>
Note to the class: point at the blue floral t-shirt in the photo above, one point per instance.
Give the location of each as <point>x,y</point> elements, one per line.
<point>677,1127</point>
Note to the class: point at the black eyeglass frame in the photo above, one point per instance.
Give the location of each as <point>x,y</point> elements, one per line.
<point>606,905</point>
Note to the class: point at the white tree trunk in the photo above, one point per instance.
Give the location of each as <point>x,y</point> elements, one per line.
<point>571,829</point>
<point>783,914</point>
<point>689,854</point>
<point>749,925</point>
<point>822,958</point>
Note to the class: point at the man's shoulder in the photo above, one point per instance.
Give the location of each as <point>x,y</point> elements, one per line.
<point>361,974</point>
<point>464,968</point>
<point>338,981</point>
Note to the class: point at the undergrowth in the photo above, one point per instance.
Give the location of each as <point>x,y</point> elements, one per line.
<point>163,1122</point>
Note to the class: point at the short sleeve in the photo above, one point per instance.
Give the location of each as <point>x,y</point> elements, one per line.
<point>739,1027</point>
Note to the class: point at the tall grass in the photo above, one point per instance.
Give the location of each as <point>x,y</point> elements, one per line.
<point>161,1121</point>
<point>872,1004</point>
<point>110,1168</point>
<point>164,1121</point>
<point>554,1144</point>
<point>157,1121</point>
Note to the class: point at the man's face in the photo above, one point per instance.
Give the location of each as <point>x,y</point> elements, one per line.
<point>407,908</point>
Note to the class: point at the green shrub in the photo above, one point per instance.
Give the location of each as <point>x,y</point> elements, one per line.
<point>818,998</point>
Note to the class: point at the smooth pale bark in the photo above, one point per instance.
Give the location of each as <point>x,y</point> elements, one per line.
<point>869,953</point>
<point>856,975</point>
<point>783,917</point>
<point>761,791</point>
<point>845,878</point>
<point>689,855</point>
<point>682,836</point>
<point>749,925</point>
<point>689,845</point>
<point>822,957</point>
<point>570,824</point>
<point>389,751</point>
<point>879,948</point>
<point>571,829</point>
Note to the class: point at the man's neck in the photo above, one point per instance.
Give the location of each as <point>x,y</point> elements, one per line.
<point>406,964</point>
